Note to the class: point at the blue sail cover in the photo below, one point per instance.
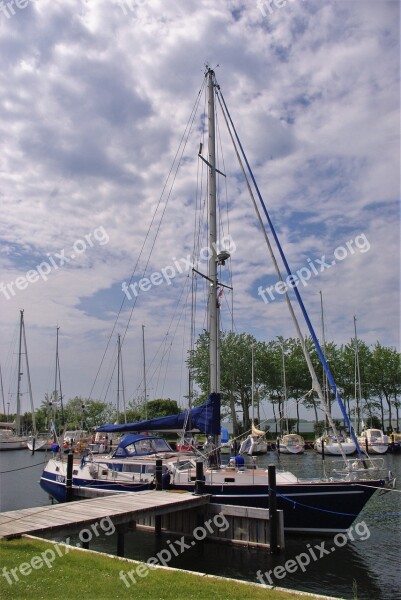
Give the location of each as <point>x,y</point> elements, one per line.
<point>205,417</point>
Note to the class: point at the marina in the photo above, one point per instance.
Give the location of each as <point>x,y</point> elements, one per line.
<point>191,180</point>
<point>376,573</point>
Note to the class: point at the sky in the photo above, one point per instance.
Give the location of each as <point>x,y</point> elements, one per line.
<point>95,96</point>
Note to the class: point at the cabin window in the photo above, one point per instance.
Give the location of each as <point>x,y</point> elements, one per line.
<point>131,468</point>
<point>130,450</point>
<point>152,469</point>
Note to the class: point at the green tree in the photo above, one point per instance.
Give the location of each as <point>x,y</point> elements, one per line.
<point>386,377</point>
<point>161,408</point>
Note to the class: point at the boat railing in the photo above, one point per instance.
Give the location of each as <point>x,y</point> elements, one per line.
<point>357,468</point>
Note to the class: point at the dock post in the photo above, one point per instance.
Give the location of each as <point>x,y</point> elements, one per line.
<point>200,479</point>
<point>273,509</point>
<point>120,540</point>
<point>159,474</point>
<point>158,525</point>
<point>367,446</point>
<point>392,442</point>
<point>322,448</point>
<point>68,482</point>
<point>278,446</point>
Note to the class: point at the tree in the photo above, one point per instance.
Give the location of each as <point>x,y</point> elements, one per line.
<point>386,377</point>
<point>161,408</point>
<point>87,413</point>
<point>236,375</point>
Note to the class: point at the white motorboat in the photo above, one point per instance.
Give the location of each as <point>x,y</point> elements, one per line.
<point>374,440</point>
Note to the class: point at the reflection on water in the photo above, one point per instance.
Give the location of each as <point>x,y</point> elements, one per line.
<point>371,567</point>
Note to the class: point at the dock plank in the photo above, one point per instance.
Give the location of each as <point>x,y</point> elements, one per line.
<point>124,508</point>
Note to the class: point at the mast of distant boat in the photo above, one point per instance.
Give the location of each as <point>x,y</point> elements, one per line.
<point>17,416</point>
<point>284,387</point>
<point>358,388</point>
<point>2,392</point>
<point>145,393</point>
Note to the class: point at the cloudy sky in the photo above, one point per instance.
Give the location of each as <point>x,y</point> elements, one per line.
<point>95,96</point>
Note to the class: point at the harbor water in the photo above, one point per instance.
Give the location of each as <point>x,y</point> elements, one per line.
<point>364,567</point>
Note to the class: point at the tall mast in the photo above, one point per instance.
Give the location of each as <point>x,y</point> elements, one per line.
<point>214,362</point>
<point>18,418</point>
<point>56,370</point>
<point>118,375</point>
<point>253,383</point>
<point>358,390</point>
<point>284,387</point>
<point>29,381</point>
<point>325,382</point>
<point>144,371</point>
<point>2,392</point>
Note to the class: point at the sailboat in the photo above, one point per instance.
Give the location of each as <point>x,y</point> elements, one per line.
<point>331,441</point>
<point>326,505</point>
<point>44,440</point>
<point>11,437</point>
<point>289,443</point>
<point>256,443</point>
<point>371,440</point>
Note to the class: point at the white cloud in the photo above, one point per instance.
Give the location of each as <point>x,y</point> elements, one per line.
<point>94,103</point>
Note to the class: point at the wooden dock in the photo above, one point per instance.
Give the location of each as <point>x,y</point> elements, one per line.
<point>176,513</point>
<point>122,510</point>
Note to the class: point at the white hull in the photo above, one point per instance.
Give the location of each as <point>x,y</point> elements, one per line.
<point>291,449</point>
<point>13,442</point>
<point>377,441</point>
<point>291,443</point>
<point>253,446</point>
<point>40,444</point>
<point>334,449</point>
<point>377,448</point>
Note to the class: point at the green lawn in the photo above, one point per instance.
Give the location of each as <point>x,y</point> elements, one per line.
<point>94,576</point>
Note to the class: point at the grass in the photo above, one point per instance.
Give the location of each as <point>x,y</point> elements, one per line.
<point>95,576</point>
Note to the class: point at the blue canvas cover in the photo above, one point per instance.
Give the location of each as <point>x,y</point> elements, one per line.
<point>205,418</point>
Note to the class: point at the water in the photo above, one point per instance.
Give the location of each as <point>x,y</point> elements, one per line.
<point>364,569</point>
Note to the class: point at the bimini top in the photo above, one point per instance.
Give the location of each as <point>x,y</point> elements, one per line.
<point>141,445</point>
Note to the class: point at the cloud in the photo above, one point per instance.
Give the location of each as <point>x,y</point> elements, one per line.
<point>94,103</point>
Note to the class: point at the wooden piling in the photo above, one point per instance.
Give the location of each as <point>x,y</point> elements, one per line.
<point>200,478</point>
<point>68,482</point>
<point>159,474</point>
<point>273,509</point>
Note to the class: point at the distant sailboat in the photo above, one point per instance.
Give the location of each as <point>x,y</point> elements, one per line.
<point>331,442</point>
<point>256,442</point>
<point>289,443</point>
<point>11,437</point>
<point>44,440</point>
<point>371,440</point>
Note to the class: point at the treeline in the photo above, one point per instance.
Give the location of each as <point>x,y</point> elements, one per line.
<point>280,371</point>
<point>87,414</point>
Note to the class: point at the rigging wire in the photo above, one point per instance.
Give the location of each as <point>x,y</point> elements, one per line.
<point>178,156</point>
<point>315,381</point>
<point>301,305</point>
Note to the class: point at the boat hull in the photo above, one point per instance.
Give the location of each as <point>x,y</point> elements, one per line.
<point>13,443</point>
<point>308,507</point>
<point>334,449</point>
<point>291,449</point>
